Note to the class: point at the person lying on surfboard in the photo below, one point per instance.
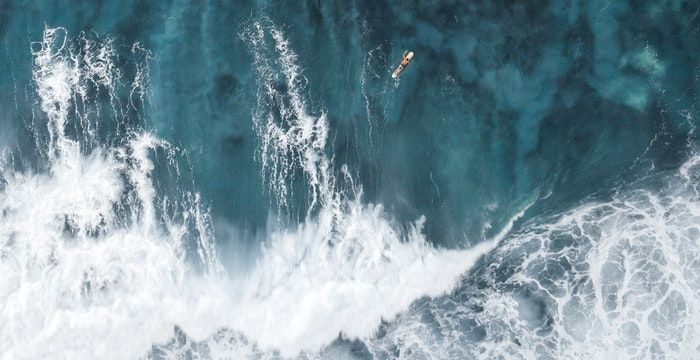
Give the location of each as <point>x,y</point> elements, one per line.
<point>407,56</point>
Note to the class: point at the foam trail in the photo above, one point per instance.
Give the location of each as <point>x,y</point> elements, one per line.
<point>290,137</point>
<point>56,78</point>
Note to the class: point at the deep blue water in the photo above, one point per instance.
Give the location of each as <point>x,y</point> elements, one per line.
<point>552,107</point>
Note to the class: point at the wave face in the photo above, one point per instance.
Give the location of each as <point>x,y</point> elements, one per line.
<point>244,181</point>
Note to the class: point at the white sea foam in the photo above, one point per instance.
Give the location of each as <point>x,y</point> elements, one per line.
<point>96,264</point>
<point>84,271</point>
<point>310,284</point>
<point>616,279</point>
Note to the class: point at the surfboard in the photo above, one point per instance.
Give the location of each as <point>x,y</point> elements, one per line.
<point>407,57</point>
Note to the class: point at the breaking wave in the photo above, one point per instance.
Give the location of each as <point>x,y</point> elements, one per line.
<point>107,252</point>
<point>615,279</point>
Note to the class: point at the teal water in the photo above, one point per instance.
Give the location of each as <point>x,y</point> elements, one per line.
<point>543,109</point>
<point>505,103</point>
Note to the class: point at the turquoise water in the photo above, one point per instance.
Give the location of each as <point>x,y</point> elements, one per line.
<point>567,123</point>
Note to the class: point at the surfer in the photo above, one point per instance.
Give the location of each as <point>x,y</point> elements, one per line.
<point>407,56</point>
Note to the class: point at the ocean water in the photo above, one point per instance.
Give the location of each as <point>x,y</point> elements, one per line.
<point>245,180</point>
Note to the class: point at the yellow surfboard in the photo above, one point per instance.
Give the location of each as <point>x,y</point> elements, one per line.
<point>407,56</point>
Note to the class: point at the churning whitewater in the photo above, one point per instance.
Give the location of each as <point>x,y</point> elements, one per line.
<point>108,249</point>
<point>96,257</point>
